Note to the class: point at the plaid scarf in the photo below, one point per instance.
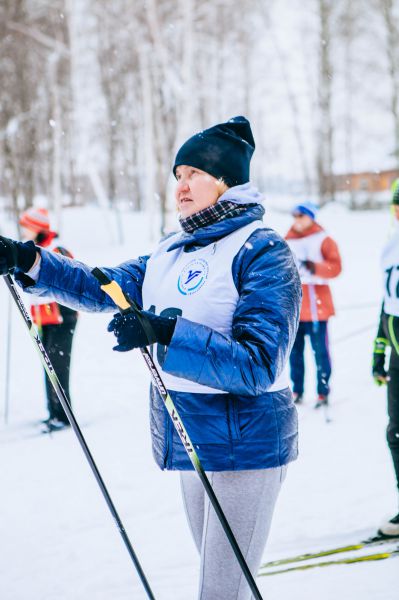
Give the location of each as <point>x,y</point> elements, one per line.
<point>213,214</point>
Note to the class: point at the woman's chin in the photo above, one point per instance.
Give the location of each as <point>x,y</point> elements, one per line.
<point>186,212</point>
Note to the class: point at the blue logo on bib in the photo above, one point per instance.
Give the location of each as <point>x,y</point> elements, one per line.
<point>193,277</point>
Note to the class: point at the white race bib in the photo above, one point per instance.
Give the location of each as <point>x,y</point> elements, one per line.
<point>197,285</point>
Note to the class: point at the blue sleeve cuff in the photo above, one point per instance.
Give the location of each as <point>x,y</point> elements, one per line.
<point>71,283</point>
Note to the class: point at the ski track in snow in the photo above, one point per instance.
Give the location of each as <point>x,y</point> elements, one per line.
<point>58,540</point>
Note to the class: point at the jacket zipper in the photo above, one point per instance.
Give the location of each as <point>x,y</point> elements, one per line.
<point>168,440</point>
<point>233,419</point>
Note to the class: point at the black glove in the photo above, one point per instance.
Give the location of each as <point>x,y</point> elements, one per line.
<point>379,373</point>
<point>16,254</point>
<point>136,330</point>
<point>310,266</point>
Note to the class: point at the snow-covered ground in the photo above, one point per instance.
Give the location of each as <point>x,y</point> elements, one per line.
<point>57,539</point>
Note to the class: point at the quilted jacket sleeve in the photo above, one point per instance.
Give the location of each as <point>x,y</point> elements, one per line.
<point>331,265</point>
<point>70,282</point>
<point>264,324</point>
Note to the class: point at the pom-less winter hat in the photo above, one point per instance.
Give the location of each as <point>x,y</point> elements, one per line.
<point>305,208</point>
<point>223,151</point>
<point>35,219</point>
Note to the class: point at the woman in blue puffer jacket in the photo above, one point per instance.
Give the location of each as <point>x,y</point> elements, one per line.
<point>222,298</point>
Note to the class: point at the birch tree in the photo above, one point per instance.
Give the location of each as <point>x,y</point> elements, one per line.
<point>325,130</point>
<point>390,13</point>
<point>37,100</point>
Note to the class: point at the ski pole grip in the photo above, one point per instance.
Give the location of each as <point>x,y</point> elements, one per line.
<point>113,289</point>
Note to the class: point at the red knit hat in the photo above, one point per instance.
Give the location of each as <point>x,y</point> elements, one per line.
<point>35,219</point>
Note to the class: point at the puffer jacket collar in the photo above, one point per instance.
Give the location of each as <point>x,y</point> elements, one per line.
<point>206,235</point>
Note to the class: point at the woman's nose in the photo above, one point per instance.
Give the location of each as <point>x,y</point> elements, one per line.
<point>182,185</point>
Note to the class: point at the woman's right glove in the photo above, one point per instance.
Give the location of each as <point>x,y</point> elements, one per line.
<point>137,330</point>
<point>379,373</point>
<point>21,255</point>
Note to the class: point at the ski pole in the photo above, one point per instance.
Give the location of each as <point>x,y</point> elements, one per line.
<point>126,304</point>
<point>8,363</point>
<point>71,418</point>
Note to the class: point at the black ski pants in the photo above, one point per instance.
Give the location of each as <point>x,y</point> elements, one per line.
<point>391,330</point>
<point>57,340</point>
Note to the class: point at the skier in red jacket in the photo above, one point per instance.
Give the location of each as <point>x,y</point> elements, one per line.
<point>318,260</point>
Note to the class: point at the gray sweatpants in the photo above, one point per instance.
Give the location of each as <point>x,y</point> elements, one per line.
<point>247,499</point>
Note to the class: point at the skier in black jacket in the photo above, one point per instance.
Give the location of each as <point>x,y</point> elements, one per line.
<point>56,323</point>
<point>388,335</point>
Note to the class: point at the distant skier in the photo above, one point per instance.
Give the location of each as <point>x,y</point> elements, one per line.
<point>221,300</point>
<point>388,335</point>
<point>56,323</point>
<point>318,261</point>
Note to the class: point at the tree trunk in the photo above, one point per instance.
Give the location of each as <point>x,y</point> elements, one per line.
<point>324,159</point>
<point>392,50</point>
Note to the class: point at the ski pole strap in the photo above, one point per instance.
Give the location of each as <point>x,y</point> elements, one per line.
<point>111,288</point>
<point>122,300</point>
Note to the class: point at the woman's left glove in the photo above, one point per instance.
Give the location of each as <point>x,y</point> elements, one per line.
<point>16,254</point>
<point>379,373</point>
<point>136,330</point>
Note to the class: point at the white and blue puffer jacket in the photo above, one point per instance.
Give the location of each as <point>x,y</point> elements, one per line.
<point>247,427</point>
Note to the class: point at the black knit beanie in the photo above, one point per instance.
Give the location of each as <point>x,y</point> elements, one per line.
<point>223,151</point>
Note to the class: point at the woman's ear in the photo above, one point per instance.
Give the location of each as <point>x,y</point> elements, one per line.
<point>222,187</point>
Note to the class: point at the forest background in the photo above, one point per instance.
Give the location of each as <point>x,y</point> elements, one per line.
<point>96,96</point>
